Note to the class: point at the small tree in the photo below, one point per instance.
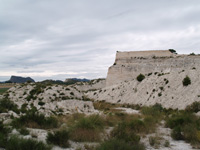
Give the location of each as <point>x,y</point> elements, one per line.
<point>192,54</point>
<point>186,81</point>
<point>140,77</point>
<point>173,51</point>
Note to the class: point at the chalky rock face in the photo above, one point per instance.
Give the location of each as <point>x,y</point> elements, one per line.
<point>163,83</point>
<point>128,65</point>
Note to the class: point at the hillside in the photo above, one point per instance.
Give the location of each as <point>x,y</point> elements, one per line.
<point>18,79</point>
<point>145,103</point>
<point>164,75</point>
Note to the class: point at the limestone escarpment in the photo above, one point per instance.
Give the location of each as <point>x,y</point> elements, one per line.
<point>129,64</point>
<point>162,84</point>
<point>54,99</point>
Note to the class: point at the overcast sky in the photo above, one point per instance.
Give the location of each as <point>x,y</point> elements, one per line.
<point>58,39</point>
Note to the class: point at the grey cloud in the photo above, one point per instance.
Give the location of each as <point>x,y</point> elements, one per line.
<point>83,35</point>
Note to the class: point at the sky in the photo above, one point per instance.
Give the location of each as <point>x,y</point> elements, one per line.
<point>59,39</point>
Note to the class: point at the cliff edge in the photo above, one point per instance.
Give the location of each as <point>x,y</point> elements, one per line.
<point>128,65</point>
<point>163,75</point>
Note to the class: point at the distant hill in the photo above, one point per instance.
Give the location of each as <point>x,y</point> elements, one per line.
<point>74,80</point>
<point>68,81</point>
<point>77,79</point>
<point>49,81</point>
<point>18,79</point>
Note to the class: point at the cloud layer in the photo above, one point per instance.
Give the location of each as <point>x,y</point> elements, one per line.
<point>51,39</point>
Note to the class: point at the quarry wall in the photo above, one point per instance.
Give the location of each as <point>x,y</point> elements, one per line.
<point>128,65</point>
<point>157,53</point>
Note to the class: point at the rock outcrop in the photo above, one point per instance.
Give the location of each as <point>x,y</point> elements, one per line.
<point>129,65</point>
<point>164,73</point>
<point>51,99</point>
<point>18,79</point>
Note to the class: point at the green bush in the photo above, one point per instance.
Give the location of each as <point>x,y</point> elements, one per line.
<point>180,119</point>
<point>59,138</point>
<point>87,129</point>
<point>153,141</point>
<point>177,134</point>
<point>137,125</point>
<point>3,140</point>
<point>186,81</point>
<point>7,105</point>
<point>123,132</point>
<point>191,133</point>
<point>115,144</point>
<point>41,103</point>
<point>3,135</point>
<point>194,107</point>
<point>166,144</point>
<point>140,77</point>
<point>16,143</point>
<point>172,51</point>
<point>33,119</point>
<point>90,122</point>
<point>152,115</point>
<point>24,131</point>
<point>185,126</point>
<point>39,88</point>
<point>23,108</point>
<point>155,110</point>
<point>71,93</point>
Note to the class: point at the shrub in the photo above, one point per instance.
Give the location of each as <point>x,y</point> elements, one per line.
<point>59,138</point>
<point>180,119</point>
<point>190,133</point>
<point>140,77</point>
<point>123,132</point>
<point>153,141</point>
<point>159,94</point>
<point>23,108</point>
<point>3,135</point>
<point>155,110</point>
<point>115,144</point>
<point>150,124</point>
<point>166,144</point>
<point>16,143</point>
<point>39,88</point>
<point>87,129</point>
<point>172,51</point>
<point>41,103</point>
<point>177,133</point>
<point>185,126</point>
<point>161,88</point>
<point>192,54</point>
<point>24,131</point>
<point>85,135</point>
<point>7,105</point>
<point>137,125</point>
<point>91,122</point>
<point>152,115</point>
<point>186,81</point>
<point>34,120</point>
<point>194,107</point>
<point>71,93</point>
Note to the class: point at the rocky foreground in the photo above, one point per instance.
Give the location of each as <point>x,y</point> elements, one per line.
<point>90,116</point>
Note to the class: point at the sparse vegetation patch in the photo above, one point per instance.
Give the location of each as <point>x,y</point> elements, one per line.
<point>186,81</point>
<point>33,119</point>
<point>140,77</point>
<point>59,138</point>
